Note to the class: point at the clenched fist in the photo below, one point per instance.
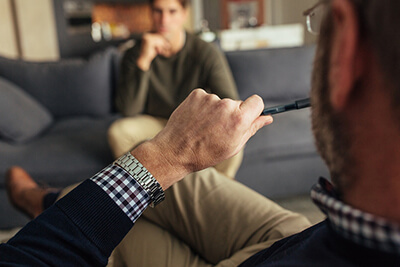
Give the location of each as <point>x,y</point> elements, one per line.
<point>203,131</point>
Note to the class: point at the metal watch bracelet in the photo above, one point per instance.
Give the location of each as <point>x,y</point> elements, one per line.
<point>130,164</point>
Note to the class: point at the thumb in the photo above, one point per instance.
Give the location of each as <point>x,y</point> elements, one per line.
<point>252,106</point>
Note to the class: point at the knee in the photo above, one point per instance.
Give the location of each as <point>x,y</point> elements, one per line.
<point>114,131</point>
<point>120,131</point>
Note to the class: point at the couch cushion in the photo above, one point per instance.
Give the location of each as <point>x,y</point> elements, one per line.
<point>23,117</point>
<point>281,160</point>
<point>72,149</point>
<point>275,74</point>
<point>67,87</point>
<point>289,135</point>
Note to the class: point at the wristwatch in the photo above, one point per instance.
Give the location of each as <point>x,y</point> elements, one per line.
<point>130,164</point>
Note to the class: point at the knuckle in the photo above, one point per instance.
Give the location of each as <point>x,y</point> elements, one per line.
<point>213,97</point>
<point>211,100</point>
<point>197,92</point>
<point>225,104</point>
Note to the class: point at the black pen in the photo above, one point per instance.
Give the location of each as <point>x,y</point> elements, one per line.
<point>299,104</point>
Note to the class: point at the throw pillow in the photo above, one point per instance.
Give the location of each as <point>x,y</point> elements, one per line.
<point>22,117</point>
<point>68,87</point>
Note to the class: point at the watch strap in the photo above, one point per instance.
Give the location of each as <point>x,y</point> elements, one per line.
<point>130,164</point>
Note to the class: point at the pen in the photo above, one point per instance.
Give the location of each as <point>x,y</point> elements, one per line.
<point>299,104</point>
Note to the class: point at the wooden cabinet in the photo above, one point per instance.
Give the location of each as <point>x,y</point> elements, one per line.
<point>242,13</point>
<point>121,1</point>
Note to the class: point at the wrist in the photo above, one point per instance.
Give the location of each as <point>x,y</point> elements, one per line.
<point>161,162</point>
<point>143,63</point>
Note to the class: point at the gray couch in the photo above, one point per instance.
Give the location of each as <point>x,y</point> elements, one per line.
<point>280,160</point>
<point>77,96</point>
<point>66,107</point>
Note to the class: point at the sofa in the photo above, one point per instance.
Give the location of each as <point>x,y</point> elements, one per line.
<point>55,115</point>
<point>280,161</point>
<point>73,106</point>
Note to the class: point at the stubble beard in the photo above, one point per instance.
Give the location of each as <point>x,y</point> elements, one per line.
<point>328,128</point>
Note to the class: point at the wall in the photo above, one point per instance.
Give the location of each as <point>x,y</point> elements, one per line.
<point>276,12</point>
<point>27,30</point>
<point>8,41</point>
<point>38,36</point>
<point>289,11</point>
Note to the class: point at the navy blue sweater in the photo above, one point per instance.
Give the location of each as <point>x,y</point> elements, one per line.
<point>81,229</point>
<point>320,245</point>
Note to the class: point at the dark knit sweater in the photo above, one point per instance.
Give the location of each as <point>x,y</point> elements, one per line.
<point>320,245</point>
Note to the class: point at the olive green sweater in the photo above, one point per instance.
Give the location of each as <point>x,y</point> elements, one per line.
<point>169,81</point>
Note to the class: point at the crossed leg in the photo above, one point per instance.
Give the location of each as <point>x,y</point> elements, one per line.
<point>206,220</point>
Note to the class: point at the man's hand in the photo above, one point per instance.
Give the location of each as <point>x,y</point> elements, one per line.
<point>203,131</point>
<point>153,44</point>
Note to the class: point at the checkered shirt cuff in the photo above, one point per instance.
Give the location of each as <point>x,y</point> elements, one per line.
<point>123,189</point>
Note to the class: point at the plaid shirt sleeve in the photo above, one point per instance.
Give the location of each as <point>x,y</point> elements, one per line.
<point>123,189</point>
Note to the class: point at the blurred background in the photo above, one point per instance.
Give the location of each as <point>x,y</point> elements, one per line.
<point>53,29</point>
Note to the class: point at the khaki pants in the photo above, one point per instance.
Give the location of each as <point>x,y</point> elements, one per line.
<point>206,220</point>
<point>126,133</point>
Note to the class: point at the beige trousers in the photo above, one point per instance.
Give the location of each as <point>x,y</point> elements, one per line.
<point>126,133</point>
<point>206,220</point>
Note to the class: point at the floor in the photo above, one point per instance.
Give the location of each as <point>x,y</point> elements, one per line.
<point>301,204</point>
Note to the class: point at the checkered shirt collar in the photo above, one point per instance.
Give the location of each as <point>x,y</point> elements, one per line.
<point>360,227</point>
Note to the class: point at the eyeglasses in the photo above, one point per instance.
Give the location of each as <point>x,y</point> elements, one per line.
<point>314,16</point>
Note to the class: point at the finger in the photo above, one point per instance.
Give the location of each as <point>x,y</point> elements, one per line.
<point>260,122</point>
<point>253,106</point>
<point>159,50</point>
<point>167,38</point>
<point>198,92</point>
<point>161,40</point>
<point>196,96</point>
<point>164,51</point>
<point>167,43</point>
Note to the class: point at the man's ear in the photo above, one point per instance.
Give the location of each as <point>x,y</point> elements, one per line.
<point>346,60</point>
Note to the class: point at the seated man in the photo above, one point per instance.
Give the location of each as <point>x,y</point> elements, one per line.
<point>355,111</point>
<point>159,72</point>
